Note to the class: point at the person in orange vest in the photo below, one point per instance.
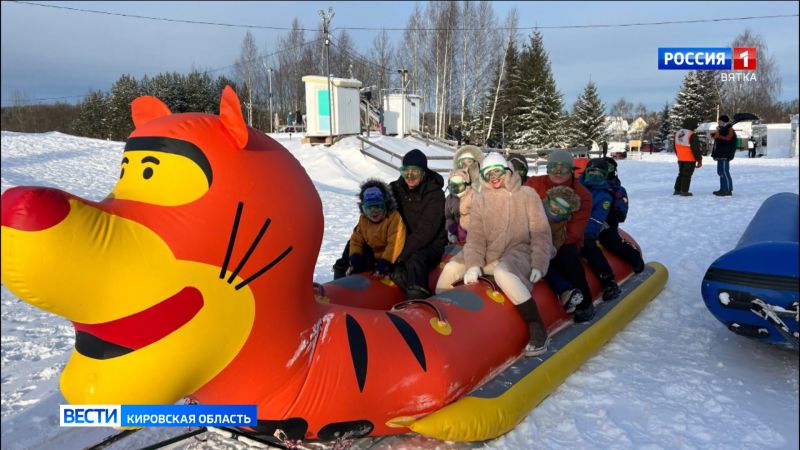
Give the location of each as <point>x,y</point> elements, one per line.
<point>687,147</point>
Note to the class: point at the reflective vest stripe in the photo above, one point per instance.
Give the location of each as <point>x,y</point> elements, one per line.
<point>682,147</point>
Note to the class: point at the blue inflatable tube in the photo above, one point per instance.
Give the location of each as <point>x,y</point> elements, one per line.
<point>753,289</point>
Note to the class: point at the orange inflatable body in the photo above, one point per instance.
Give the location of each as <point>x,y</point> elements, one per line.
<point>193,278</point>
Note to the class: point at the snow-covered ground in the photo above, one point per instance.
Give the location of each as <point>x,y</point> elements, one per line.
<point>673,378</point>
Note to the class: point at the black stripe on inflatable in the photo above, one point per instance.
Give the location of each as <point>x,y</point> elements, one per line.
<point>411,338</point>
<point>757,280</point>
<point>340,430</point>
<point>174,146</point>
<point>93,347</point>
<point>358,349</point>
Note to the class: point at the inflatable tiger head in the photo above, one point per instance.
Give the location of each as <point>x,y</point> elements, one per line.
<point>186,272</point>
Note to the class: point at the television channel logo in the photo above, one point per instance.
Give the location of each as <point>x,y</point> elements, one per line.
<point>707,58</point>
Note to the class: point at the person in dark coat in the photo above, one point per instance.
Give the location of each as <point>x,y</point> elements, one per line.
<point>420,200</point>
<point>604,146</point>
<point>298,119</point>
<point>458,135</point>
<point>449,132</point>
<point>724,150</point>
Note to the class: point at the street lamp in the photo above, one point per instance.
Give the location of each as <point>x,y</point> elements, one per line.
<point>271,121</point>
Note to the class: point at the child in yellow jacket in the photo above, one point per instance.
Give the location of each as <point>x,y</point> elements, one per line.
<point>380,235</point>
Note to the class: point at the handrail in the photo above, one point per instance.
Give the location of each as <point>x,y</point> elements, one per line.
<point>396,155</point>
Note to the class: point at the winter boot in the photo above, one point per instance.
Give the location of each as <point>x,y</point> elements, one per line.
<point>638,266</point>
<point>584,314</point>
<point>571,299</point>
<point>610,288</point>
<point>538,334</point>
<point>676,192</point>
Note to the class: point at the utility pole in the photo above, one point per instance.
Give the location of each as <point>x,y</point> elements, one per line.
<point>250,98</point>
<point>326,21</point>
<point>403,73</point>
<point>269,75</point>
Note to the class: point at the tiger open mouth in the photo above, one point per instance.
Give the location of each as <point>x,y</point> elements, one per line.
<point>121,336</point>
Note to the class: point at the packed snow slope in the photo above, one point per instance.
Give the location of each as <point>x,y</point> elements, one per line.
<point>673,378</point>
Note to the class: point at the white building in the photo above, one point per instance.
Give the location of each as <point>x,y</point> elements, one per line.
<point>773,140</point>
<point>393,111</point>
<point>617,128</point>
<point>343,104</point>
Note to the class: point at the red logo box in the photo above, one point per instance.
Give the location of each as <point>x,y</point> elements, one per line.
<point>744,58</point>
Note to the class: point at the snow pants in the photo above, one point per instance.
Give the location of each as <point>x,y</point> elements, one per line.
<point>685,171</point>
<point>509,283</point>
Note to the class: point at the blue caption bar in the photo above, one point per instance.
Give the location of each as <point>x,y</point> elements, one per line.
<point>188,415</point>
<point>690,58</point>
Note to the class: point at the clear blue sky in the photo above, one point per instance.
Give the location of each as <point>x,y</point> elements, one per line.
<point>48,52</point>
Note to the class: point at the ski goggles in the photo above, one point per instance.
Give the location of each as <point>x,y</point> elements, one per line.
<point>557,207</point>
<point>373,208</point>
<point>457,188</point>
<point>411,172</point>
<point>595,173</point>
<point>466,159</point>
<point>492,173</point>
<point>559,169</point>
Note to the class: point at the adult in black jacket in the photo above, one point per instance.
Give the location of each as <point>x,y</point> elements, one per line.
<point>420,200</point>
<point>724,150</point>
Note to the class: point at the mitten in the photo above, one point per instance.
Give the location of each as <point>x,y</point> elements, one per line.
<point>382,267</point>
<point>357,263</point>
<point>471,275</point>
<point>536,275</point>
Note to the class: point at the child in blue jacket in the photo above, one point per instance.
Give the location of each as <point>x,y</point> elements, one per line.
<point>609,237</point>
<point>595,179</point>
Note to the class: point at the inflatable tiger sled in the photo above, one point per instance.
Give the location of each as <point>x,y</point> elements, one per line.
<point>193,279</point>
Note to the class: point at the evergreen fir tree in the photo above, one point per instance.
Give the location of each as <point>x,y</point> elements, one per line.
<point>508,99</point>
<point>587,122</point>
<point>665,129</point>
<point>697,99</point>
<point>540,119</point>
<point>124,91</point>
<point>92,120</point>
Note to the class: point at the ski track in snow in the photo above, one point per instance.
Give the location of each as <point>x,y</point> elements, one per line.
<point>672,378</point>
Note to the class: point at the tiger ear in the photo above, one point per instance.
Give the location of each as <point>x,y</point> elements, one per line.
<point>230,113</point>
<point>146,108</point>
